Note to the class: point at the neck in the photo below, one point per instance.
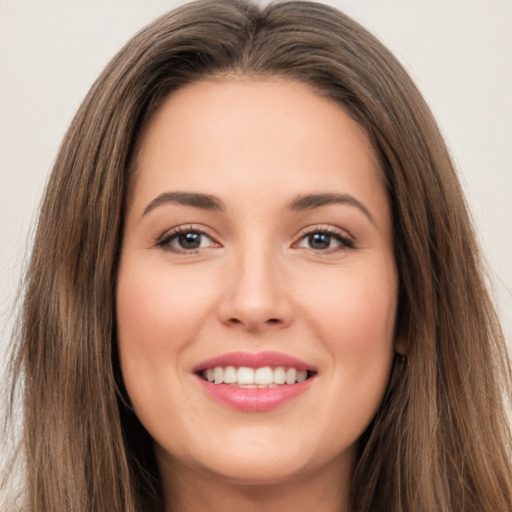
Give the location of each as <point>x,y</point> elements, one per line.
<point>189,490</point>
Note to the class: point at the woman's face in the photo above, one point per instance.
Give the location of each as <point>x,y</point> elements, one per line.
<point>258,251</point>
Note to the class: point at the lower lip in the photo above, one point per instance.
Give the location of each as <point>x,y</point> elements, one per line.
<point>254,399</point>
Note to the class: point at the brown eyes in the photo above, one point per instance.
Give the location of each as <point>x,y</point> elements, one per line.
<point>186,240</point>
<point>324,240</point>
<point>191,240</point>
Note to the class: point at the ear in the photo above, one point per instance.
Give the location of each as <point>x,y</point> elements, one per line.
<point>401,346</point>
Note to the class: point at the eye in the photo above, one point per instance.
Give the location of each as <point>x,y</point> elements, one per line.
<point>185,240</point>
<point>325,240</point>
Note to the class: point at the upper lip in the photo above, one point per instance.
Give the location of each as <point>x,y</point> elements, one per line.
<point>254,360</point>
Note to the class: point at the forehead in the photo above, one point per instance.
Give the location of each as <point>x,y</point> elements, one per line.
<point>211,109</point>
<point>246,136</point>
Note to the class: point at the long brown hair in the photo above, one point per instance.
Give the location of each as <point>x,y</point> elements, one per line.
<point>441,440</point>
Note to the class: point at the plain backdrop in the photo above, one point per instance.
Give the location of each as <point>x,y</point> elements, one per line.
<point>459,52</point>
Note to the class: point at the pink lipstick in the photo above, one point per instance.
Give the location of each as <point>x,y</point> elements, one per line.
<point>254,381</point>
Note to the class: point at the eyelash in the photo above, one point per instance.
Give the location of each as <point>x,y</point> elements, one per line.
<point>345,242</point>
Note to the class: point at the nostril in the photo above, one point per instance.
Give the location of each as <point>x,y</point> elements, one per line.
<point>270,321</point>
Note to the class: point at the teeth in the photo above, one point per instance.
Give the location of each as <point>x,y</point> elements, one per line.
<point>218,375</point>
<point>291,376</point>
<point>302,375</point>
<point>229,375</point>
<point>263,377</point>
<point>245,375</point>
<point>279,375</point>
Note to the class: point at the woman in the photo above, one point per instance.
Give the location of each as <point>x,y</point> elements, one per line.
<point>259,190</point>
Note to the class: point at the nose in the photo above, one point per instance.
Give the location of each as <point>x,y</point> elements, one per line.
<point>256,297</point>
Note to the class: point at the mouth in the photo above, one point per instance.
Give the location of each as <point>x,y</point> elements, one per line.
<point>263,377</point>
<point>254,382</point>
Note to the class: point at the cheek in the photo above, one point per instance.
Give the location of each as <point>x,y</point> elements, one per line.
<point>355,310</point>
<point>157,310</point>
<point>159,315</point>
<point>355,316</point>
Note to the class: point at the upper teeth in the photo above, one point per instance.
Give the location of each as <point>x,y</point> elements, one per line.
<point>253,377</point>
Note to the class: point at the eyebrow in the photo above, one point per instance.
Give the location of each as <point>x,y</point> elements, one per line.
<point>203,201</point>
<point>310,201</point>
<point>212,203</point>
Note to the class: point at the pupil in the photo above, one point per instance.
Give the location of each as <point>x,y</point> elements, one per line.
<point>319,241</point>
<point>191,240</point>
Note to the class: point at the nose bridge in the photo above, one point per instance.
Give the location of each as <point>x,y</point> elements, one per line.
<point>256,297</point>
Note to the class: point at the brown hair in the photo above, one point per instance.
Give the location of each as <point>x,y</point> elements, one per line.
<point>441,440</point>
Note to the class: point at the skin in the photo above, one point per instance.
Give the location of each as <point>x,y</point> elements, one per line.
<point>256,283</point>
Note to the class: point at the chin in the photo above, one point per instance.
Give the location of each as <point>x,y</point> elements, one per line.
<point>266,464</point>
<point>258,472</point>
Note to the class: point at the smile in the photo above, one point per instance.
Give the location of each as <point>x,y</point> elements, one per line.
<point>263,377</point>
<point>254,382</point>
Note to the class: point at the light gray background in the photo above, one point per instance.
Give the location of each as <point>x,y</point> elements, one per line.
<point>459,52</point>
